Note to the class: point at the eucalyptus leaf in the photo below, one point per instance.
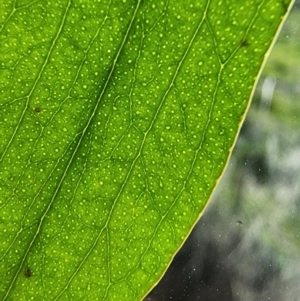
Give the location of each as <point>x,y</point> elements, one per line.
<point>117,119</point>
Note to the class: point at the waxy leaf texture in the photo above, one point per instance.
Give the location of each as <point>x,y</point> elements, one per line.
<point>117,119</point>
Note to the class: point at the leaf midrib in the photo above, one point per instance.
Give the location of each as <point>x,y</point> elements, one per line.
<point>78,143</point>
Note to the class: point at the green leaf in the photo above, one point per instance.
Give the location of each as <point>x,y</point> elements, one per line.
<point>117,120</point>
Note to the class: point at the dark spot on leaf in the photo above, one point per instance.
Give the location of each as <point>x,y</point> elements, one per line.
<point>28,273</point>
<point>37,110</point>
<point>244,43</point>
<point>239,223</point>
<point>284,5</point>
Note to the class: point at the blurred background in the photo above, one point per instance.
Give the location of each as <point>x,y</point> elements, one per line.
<point>247,244</point>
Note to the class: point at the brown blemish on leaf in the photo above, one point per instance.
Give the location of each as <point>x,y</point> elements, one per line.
<point>28,273</point>
<point>244,43</point>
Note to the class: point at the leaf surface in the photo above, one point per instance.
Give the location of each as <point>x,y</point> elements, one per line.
<point>117,120</point>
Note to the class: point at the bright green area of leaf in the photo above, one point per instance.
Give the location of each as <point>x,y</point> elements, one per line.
<point>117,120</point>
